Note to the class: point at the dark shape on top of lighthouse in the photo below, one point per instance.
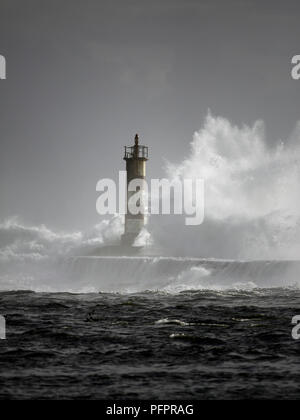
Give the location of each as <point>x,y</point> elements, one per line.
<point>136,152</point>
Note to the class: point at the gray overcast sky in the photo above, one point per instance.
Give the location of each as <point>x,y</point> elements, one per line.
<point>85,75</point>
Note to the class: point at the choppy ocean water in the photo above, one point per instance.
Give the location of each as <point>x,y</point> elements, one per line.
<point>191,344</point>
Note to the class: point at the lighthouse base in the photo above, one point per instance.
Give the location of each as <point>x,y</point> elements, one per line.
<point>128,239</point>
<point>118,250</point>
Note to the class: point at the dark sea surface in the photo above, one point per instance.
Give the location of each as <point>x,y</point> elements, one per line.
<point>150,345</point>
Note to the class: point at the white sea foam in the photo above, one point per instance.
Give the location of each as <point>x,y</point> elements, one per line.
<point>252,194</point>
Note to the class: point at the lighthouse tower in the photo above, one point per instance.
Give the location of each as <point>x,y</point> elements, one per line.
<point>136,157</point>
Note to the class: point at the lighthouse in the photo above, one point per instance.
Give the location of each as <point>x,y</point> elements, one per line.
<point>135,157</point>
